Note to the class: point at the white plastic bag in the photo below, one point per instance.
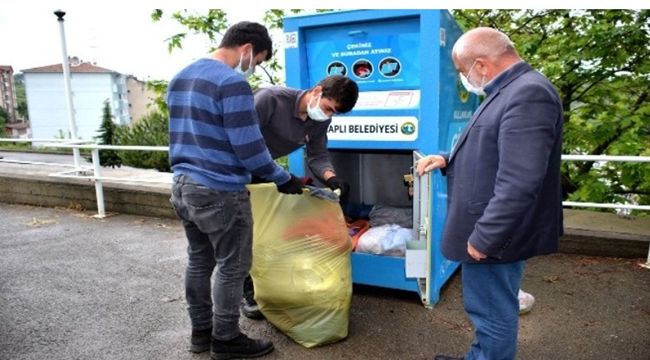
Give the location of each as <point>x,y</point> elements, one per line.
<point>385,240</point>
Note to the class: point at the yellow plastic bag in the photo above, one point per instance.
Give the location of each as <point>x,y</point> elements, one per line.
<point>301,265</point>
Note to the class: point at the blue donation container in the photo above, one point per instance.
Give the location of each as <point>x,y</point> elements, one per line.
<point>411,103</point>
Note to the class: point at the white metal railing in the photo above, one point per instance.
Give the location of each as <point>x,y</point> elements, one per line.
<point>605,158</point>
<point>98,179</point>
<point>622,158</point>
<point>611,206</point>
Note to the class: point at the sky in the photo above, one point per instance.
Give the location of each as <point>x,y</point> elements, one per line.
<point>128,42</point>
<point>119,35</point>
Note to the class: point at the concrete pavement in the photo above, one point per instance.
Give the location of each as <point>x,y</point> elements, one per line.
<point>75,287</point>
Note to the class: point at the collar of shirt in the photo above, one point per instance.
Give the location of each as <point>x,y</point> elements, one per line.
<point>296,108</point>
<point>495,83</point>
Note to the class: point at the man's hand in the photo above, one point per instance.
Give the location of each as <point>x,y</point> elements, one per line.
<point>430,163</point>
<point>475,254</point>
<point>293,186</point>
<point>336,183</point>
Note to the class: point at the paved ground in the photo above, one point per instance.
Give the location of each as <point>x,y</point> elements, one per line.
<point>75,287</point>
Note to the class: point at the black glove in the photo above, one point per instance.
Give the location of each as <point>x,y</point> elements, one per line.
<point>336,183</point>
<point>293,186</point>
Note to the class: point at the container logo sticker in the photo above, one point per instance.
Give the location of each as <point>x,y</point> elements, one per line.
<point>407,128</point>
<point>362,69</point>
<point>336,68</point>
<point>390,67</point>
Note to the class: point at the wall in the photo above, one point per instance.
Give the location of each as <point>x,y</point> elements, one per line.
<point>139,98</point>
<point>47,104</point>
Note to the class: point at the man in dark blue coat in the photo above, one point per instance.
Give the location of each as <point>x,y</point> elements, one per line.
<point>503,176</point>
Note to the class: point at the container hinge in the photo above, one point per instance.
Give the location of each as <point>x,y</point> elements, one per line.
<point>423,230</point>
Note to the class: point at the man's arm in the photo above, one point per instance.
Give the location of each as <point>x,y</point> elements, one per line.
<point>241,125</point>
<point>318,158</point>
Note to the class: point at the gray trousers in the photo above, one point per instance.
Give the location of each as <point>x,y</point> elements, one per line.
<point>219,230</point>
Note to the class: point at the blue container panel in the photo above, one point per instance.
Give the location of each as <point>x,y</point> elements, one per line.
<point>383,271</point>
<point>445,269</point>
<point>372,145</point>
<point>377,55</point>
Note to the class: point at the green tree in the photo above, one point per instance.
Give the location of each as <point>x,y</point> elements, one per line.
<point>4,117</point>
<point>106,136</point>
<point>21,97</point>
<point>159,87</point>
<point>152,130</point>
<point>599,60</point>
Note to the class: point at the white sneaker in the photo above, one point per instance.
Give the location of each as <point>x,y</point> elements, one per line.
<point>526,302</point>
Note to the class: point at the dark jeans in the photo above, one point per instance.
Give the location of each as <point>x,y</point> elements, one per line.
<point>219,230</point>
<point>490,299</point>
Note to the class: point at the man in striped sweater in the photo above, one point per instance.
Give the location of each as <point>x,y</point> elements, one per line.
<point>215,146</point>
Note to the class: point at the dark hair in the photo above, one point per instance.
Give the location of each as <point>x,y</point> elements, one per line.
<point>248,32</point>
<point>341,89</point>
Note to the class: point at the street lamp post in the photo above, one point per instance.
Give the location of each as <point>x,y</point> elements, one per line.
<point>68,91</point>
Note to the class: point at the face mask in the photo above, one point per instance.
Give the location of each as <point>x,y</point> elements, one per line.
<point>316,113</point>
<point>251,67</point>
<point>478,90</point>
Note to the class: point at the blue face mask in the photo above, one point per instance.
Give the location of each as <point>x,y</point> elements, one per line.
<point>316,113</point>
<point>251,67</point>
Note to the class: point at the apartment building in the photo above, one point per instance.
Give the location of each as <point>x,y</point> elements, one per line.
<point>8,92</point>
<point>90,84</point>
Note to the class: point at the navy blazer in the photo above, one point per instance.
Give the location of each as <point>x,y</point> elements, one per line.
<point>503,175</point>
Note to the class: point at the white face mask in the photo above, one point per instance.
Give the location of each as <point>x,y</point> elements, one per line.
<point>478,90</point>
<point>251,67</point>
<point>316,113</point>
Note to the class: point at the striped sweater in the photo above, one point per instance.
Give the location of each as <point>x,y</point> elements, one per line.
<point>214,135</point>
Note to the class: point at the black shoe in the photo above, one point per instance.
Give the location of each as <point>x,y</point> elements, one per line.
<point>250,309</point>
<point>248,304</point>
<point>445,357</point>
<point>200,340</point>
<point>240,347</point>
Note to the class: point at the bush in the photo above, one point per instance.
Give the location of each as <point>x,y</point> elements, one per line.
<point>151,130</point>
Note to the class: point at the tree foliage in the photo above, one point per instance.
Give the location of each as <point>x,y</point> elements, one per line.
<point>599,60</point>
<point>106,136</point>
<point>21,97</point>
<point>152,130</point>
<point>4,117</point>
